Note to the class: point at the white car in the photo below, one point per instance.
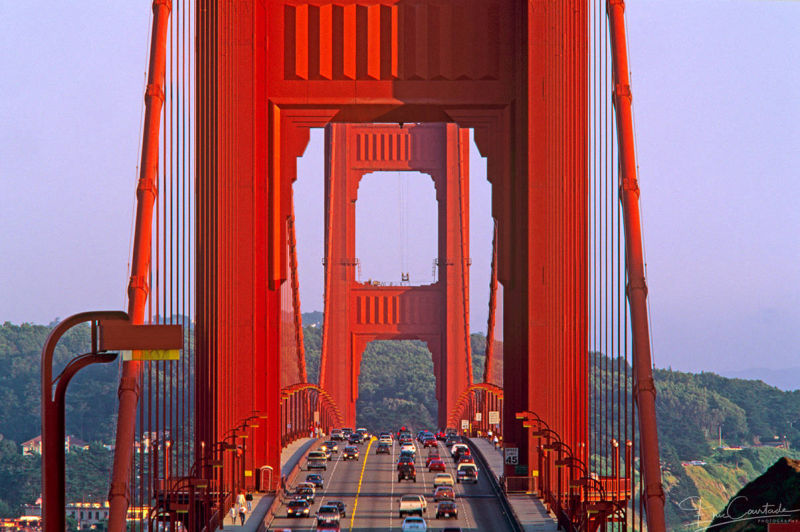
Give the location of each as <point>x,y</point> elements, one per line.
<point>385,438</point>
<point>408,447</point>
<point>414,523</point>
<point>462,446</point>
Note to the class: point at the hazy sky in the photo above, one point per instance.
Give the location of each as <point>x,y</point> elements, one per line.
<point>717,109</point>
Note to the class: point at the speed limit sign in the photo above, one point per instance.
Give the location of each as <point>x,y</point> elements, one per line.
<point>512,455</point>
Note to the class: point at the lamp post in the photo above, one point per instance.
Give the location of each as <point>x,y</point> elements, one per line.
<point>53,460</point>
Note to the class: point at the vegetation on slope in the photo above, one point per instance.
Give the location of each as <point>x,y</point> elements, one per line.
<point>397,386</point>
<point>773,496</point>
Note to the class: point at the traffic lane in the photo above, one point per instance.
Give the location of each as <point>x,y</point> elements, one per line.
<point>340,480</point>
<point>378,507</point>
<point>375,499</point>
<point>478,508</point>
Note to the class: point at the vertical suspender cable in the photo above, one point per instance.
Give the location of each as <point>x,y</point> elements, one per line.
<point>140,263</point>
<point>644,386</point>
<point>489,360</point>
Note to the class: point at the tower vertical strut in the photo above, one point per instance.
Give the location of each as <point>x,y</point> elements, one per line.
<point>146,193</point>
<point>644,387</point>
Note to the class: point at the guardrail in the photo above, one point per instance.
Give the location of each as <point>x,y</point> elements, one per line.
<point>280,493</point>
<point>508,513</point>
<point>519,484</point>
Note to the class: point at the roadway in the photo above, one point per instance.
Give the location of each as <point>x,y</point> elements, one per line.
<point>370,490</point>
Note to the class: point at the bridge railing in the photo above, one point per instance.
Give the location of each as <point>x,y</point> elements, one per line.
<point>306,411</point>
<point>478,411</point>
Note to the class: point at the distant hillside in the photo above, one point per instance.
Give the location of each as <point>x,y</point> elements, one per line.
<point>397,385</point>
<point>787,379</point>
<point>692,409</point>
<point>312,319</point>
<point>774,496</point>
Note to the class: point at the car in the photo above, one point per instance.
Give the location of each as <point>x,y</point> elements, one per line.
<point>436,465</point>
<point>458,448</point>
<point>406,472</point>
<point>431,457</point>
<point>328,518</point>
<point>337,435</point>
<point>383,448</point>
<point>350,453</point>
<point>412,504</point>
<point>409,454</point>
<point>298,508</point>
<point>405,460</point>
<point>317,460</point>
<point>340,505</point>
<point>408,447</point>
<point>443,479</point>
<point>304,492</point>
<point>364,433</point>
<point>467,473</point>
<point>444,493</point>
<point>447,509</point>
<point>441,436</point>
<point>355,438</point>
<point>429,442</point>
<point>465,459</point>
<point>414,523</point>
<point>461,454</point>
<point>385,437</point>
<point>316,479</point>
<point>332,446</point>
<point>347,431</point>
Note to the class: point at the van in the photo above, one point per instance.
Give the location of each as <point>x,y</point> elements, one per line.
<point>317,460</point>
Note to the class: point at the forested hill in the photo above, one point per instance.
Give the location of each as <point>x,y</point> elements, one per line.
<point>397,386</point>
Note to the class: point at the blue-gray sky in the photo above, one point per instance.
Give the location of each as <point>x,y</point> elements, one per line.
<point>718,134</point>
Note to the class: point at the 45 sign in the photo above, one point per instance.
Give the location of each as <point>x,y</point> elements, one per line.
<point>511,455</point>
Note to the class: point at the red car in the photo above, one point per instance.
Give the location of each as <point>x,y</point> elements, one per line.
<point>429,442</point>
<point>431,458</point>
<point>465,459</point>
<point>436,465</point>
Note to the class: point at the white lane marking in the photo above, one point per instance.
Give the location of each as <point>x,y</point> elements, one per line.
<point>463,511</point>
<point>391,499</point>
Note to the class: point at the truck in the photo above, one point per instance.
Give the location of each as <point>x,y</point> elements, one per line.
<point>413,504</point>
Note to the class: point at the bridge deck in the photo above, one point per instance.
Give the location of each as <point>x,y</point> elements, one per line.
<point>370,490</point>
<point>529,510</point>
<point>290,456</point>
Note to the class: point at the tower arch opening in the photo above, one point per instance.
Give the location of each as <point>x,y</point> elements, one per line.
<point>396,386</point>
<point>397,228</point>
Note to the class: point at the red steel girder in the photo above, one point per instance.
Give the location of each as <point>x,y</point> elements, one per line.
<point>644,386</point>
<point>357,313</point>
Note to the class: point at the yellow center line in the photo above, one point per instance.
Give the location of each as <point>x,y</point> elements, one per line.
<point>358,491</point>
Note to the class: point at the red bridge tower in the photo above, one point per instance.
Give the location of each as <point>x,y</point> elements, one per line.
<point>357,313</point>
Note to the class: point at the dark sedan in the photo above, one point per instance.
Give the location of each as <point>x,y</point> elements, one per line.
<point>298,508</point>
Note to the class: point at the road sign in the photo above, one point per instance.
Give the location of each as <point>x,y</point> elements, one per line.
<point>512,455</point>
<point>464,424</point>
<point>152,354</point>
<point>478,416</point>
<point>494,417</point>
